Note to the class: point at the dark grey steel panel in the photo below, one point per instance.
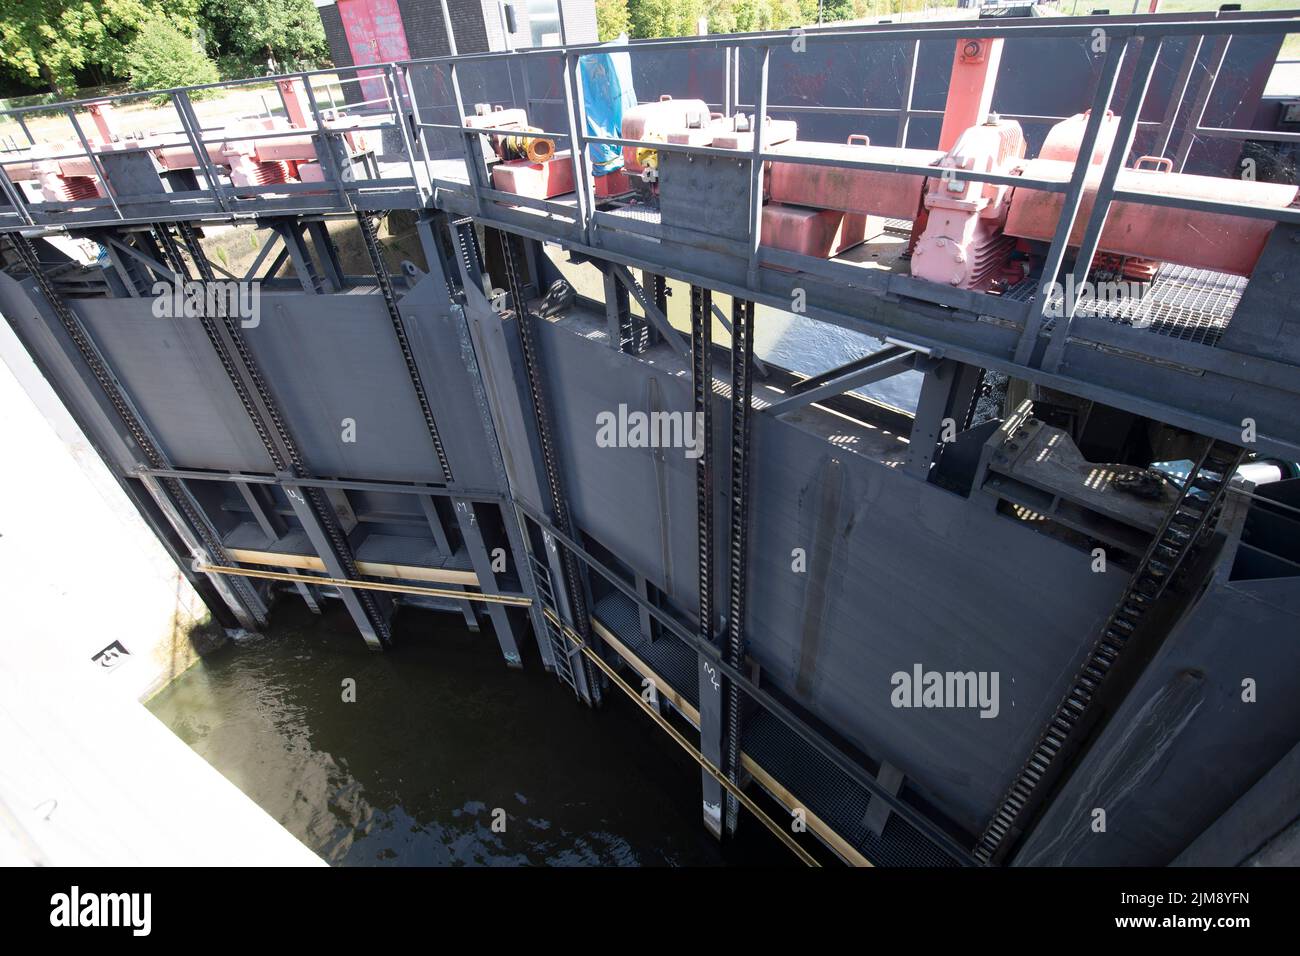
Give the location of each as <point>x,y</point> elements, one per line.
<point>440,341</point>
<point>1251,828</point>
<point>1184,745</point>
<point>176,381</point>
<point>45,341</point>
<point>329,358</point>
<point>900,573</point>
<point>639,502</point>
<point>705,193</point>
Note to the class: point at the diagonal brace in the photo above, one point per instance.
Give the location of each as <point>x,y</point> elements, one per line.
<point>846,381</point>
<point>657,318</point>
<point>148,260</point>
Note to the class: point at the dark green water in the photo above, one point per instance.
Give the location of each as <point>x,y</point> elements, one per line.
<point>441,735</point>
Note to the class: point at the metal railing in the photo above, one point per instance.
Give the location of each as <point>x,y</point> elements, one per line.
<point>1126,40</point>
<point>224,201</point>
<point>1134,42</point>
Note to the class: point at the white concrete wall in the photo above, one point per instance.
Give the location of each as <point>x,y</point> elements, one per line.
<point>78,566</point>
<point>87,775</point>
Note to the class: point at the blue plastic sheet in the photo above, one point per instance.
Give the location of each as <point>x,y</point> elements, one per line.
<point>607,92</point>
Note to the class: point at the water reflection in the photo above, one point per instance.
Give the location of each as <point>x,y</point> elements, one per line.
<point>442,742</point>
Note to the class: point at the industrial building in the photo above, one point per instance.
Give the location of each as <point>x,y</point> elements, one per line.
<point>379,31</point>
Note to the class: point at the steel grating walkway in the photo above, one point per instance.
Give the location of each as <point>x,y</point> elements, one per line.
<point>826,791</point>
<point>668,657</point>
<point>1181,302</point>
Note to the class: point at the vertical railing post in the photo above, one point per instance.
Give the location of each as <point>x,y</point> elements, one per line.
<point>16,199</point>
<point>1218,53</point>
<point>421,137</point>
<point>473,161</point>
<point>1177,95</point>
<point>582,171</point>
<point>756,168</point>
<point>326,144</point>
<point>1101,204</point>
<point>26,132</point>
<point>94,161</point>
<point>194,133</point>
<point>399,116</point>
<point>1039,305</point>
<point>727,91</point>
<point>526,83</point>
<point>905,117</point>
<point>735,79</point>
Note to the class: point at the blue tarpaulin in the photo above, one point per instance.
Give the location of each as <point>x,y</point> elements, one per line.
<point>606,91</point>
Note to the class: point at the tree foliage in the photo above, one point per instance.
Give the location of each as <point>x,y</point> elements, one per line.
<point>161,55</point>
<point>611,19</point>
<point>664,18</point>
<point>747,16</point>
<point>64,43</point>
<point>254,30</point>
<point>53,41</point>
<point>667,18</point>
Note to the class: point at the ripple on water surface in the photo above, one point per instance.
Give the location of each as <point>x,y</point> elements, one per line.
<point>441,742</point>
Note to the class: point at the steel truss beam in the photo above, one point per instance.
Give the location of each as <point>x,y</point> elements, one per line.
<point>396,487</point>
<point>721,316</point>
<point>873,368</point>
<point>651,308</point>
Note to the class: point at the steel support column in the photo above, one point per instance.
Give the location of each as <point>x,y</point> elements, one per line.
<point>947,394</point>
<point>710,680</point>
<point>323,544</point>
<point>554,485</point>
<point>303,266</point>
<point>491,342</point>
<point>472,535</point>
<point>742,383</point>
<point>618,314</point>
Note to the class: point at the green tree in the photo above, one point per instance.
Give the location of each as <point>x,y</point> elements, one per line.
<point>253,30</point>
<point>665,18</point>
<point>834,10</point>
<point>52,41</point>
<point>611,19</point>
<point>672,18</point>
<point>161,56</point>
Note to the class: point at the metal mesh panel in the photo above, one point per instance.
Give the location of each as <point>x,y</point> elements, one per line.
<point>1181,302</point>
<point>827,791</point>
<point>668,657</point>
<point>638,212</point>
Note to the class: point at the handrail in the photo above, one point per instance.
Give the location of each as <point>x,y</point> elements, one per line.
<point>408,113</point>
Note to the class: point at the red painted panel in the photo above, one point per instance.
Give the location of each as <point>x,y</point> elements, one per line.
<point>375,35</point>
